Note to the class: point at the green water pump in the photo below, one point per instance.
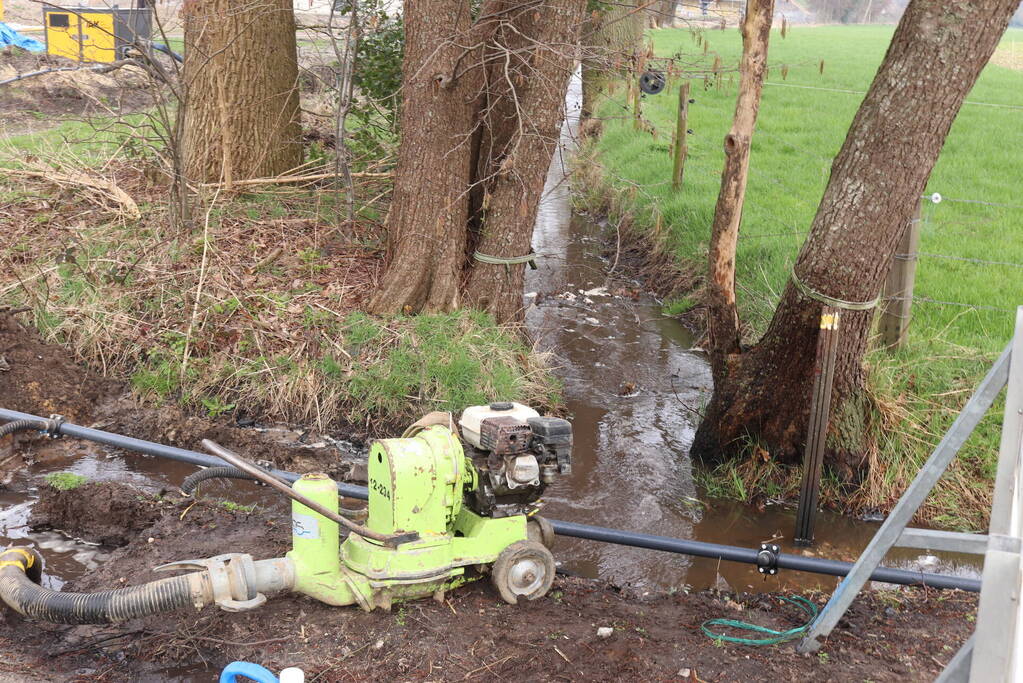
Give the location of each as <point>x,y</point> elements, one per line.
<point>473,510</point>
<point>439,515</point>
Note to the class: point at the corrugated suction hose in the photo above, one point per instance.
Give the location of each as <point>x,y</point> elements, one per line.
<point>195,478</point>
<point>32,600</point>
<point>24,426</point>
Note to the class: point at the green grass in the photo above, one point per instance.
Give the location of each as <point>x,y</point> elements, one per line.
<point>88,141</point>
<point>232,506</point>
<point>65,481</point>
<point>799,131</point>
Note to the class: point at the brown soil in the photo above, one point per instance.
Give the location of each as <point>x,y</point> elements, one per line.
<point>102,512</point>
<point>41,379</point>
<point>899,635</point>
<point>293,450</point>
<point>35,102</point>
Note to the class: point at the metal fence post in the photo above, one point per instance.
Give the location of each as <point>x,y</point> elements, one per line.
<point>898,287</point>
<point>897,520</point>
<point>817,430</point>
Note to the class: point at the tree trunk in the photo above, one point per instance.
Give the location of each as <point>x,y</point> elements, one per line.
<point>609,38</point>
<point>529,67</point>
<point>482,106</point>
<point>241,85</point>
<point>722,318</point>
<point>936,55</point>
<point>666,13</point>
<point>430,204</point>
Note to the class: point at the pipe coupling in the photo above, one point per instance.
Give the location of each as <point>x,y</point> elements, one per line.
<point>767,558</point>
<point>232,580</point>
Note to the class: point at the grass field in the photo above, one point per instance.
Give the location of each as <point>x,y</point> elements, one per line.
<point>816,81</point>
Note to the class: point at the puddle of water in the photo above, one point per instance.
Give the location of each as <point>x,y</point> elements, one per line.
<point>69,558</point>
<point>635,389</point>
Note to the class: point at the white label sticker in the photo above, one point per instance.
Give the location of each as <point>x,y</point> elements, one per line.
<point>304,526</point>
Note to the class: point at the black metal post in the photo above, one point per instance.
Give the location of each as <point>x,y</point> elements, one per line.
<point>817,430</point>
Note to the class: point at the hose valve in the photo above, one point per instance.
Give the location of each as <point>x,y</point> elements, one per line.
<point>232,580</point>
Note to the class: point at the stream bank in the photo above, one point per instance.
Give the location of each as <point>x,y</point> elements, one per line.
<point>634,387</point>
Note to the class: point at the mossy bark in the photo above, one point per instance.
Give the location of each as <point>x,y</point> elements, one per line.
<point>610,39</point>
<point>483,102</point>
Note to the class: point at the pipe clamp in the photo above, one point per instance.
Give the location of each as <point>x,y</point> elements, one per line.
<point>53,426</point>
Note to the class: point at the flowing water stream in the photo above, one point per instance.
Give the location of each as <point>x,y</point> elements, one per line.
<point>634,387</point>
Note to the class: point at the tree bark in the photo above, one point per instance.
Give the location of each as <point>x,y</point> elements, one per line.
<point>608,38</point>
<point>482,105</point>
<point>430,204</point>
<point>241,84</point>
<point>935,57</point>
<point>530,63</point>
<point>722,317</point>
<point>666,13</point>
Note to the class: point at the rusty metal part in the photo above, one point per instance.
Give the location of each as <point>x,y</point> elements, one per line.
<point>504,435</point>
<point>247,467</point>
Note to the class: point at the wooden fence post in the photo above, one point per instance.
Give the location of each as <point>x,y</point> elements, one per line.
<point>681,144</point>
<point>637,114</point>
<point>898,287</point>
<point>817,430</point>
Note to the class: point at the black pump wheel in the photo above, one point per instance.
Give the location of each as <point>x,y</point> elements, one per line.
<point>540,530</point>
<point>524,569</point>
<point>652,82</point>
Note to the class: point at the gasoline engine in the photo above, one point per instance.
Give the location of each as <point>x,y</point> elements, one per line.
<point>439,515</point>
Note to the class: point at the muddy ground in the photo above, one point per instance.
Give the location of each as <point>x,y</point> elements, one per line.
<point>902,635</point>
<point>41,379</point>
<point>890,635</point>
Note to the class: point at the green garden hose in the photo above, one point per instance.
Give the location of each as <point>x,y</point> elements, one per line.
<point>808,608</point>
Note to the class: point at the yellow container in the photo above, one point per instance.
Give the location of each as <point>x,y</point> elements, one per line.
<point>95,34</point>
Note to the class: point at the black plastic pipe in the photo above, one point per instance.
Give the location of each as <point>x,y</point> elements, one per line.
<point>593,533</point>
<point>749,556</point>
<point>160,450</point>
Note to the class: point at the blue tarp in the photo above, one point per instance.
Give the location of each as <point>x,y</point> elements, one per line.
<point>8,36</point>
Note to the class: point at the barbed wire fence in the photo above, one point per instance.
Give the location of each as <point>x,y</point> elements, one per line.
<point>973,269</point>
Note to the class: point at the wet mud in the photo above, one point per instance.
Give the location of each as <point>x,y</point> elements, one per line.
<point>104,512</point>
<point>886,636</point>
